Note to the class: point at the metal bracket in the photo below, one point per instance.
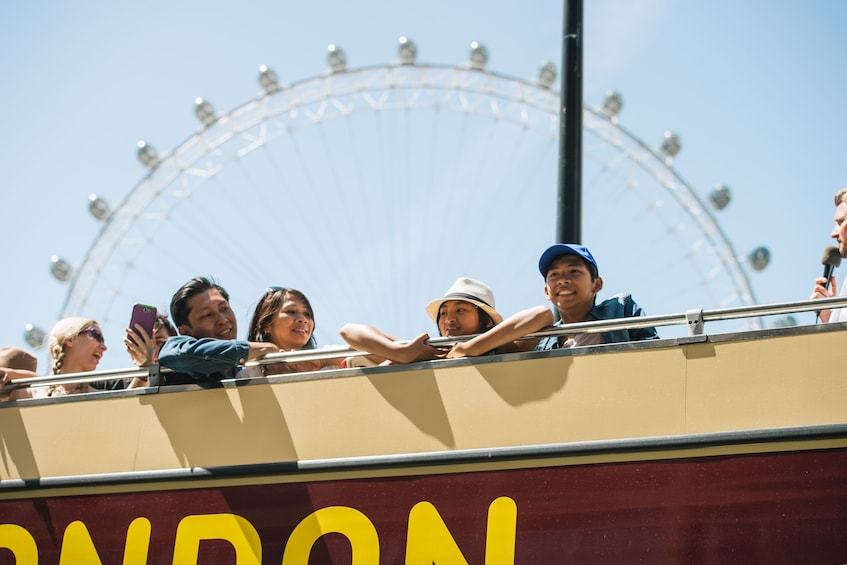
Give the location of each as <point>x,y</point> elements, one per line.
<point>153,375</point>
<point>695,321</point>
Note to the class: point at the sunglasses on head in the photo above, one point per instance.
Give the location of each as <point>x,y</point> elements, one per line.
<point>277,289</point>
<point>94,333</point>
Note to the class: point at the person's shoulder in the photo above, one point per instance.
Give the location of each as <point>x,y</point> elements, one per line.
<point>176,340</point>
<point>618,306</point>
<point>173,345</point>
<point>187,341</point>
<point>619,299</point>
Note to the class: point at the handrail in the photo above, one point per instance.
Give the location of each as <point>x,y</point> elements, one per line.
<point>694,318</point>
<point>85,377</point>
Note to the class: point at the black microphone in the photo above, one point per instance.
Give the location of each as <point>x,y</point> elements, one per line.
<point>830,260</point>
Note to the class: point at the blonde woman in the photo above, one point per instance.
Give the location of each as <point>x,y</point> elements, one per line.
<point>76,346</point>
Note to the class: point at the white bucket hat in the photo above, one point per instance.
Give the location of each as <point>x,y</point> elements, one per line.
<point>469,290</point>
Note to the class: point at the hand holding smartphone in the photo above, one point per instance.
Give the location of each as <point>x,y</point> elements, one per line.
<point>145,316</point>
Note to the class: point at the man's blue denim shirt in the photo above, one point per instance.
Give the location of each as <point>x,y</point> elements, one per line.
<point>203,361</point>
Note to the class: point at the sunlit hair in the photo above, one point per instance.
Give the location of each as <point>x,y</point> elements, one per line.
<point>63,331</point>
<point>269,306</point>
<point>841,196</point>
<point>179,302</point>
<point>486,322</point>
<point>162,321</point>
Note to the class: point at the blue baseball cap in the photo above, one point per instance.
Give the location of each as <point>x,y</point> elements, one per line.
<point>560,249</point>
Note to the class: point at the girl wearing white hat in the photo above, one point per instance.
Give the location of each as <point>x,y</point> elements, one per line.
<point>466,308</point>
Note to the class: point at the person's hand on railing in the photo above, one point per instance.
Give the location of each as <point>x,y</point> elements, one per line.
<point>415,350</point>
<point>8,376</point>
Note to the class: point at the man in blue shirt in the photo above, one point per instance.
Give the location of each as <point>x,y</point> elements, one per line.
<point>206,351</point>
<point>571,283</point>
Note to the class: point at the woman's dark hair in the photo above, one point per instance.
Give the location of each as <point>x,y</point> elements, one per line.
<point>179,302</point>
<point>486,322</point>
<point>162,321</point>
<point>269,306</point>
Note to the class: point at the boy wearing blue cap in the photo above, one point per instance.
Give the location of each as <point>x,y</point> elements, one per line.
<point>571,283</point>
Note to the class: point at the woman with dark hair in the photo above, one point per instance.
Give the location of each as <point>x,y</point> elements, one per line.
<point>284,317</point>
<point>467,308</point>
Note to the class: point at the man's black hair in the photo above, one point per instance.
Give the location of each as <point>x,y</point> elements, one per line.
<point>179,302</point>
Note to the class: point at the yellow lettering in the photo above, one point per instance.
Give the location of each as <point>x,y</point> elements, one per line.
<point>429,541</point>
<point>334,519</point>
<point>502,530</point>
<point>20,542</point>
<point>137,542</point>
<point>229,527</point>
<point>77,547</point>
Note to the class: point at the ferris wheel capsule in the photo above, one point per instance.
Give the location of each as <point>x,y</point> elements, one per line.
<point>479,56</point>
<point>408,51</point>
<point>204,111</point>
<point>34,336</point>
<point>268,79</point>
<point>760,258</point>
<point>60,268</point>
<point>337,58</point>
<point>612,104</point>
<point>720,196</point>
<point>671,144</point>
<point>98,207</point>
<point>547,74</point>
<point>147,155</point>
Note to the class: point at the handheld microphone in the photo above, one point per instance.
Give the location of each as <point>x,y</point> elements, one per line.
<point>830,260</point>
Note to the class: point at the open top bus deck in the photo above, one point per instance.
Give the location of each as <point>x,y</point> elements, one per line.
<point>706,448</point>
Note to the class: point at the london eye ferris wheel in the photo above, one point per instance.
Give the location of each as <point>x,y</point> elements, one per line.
<point>372,189</point>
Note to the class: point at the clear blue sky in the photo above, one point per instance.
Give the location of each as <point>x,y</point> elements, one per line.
<point>754,88</point>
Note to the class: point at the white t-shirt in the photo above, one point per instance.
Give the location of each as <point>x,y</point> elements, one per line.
<point>582,339</point>
<point>839,314</point>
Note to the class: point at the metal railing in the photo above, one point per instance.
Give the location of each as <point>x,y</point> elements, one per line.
<point>694,319</point>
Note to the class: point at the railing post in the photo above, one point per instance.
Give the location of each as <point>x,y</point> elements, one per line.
<point>694,318</point>
<point>153,375</point>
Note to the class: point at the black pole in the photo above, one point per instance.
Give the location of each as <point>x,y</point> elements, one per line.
<point>569,217</point>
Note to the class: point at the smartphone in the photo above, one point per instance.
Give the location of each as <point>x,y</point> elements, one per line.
<point>143,315</point>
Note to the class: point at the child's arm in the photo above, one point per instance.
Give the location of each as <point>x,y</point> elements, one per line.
<point>505,334</point>
<point>383,346</point>
<point>9,376</point>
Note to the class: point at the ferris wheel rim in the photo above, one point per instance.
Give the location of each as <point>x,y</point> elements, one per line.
<point>707,222</point>
<point>541,99</point>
